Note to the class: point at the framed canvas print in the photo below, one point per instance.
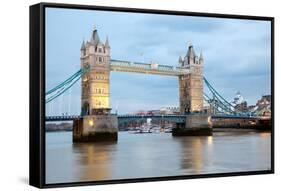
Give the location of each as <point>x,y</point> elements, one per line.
<point>123,95</point>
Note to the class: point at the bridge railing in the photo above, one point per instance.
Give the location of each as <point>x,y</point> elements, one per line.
<point>63,117</point>
<point>158,115</point>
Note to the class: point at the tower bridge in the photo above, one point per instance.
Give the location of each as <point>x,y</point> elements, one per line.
<point>95,55</point>
<point>96,121</point>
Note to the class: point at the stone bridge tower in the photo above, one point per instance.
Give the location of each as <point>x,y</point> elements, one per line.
<point>96,123</point>
<point>95,83</point>
<point>191,85</point>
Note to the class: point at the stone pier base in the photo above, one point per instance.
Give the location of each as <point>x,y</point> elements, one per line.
<point>195,125</point>
<point>95,128</point>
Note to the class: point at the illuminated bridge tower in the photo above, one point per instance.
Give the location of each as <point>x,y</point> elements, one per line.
<point>191,85</point>
<point>95,83</point>
<point>96,124</point>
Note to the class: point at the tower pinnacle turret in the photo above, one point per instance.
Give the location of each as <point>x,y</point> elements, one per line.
<point>83,47</point>
<point>107,42</point>
<point>201,56</point>
<point>180,59</point>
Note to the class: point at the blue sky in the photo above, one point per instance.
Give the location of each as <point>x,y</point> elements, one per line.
<point>237,55</point>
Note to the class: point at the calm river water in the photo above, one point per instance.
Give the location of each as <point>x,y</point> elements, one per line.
<point>154,155</point>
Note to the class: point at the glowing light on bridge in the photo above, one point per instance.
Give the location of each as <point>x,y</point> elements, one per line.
<point>91,122</point>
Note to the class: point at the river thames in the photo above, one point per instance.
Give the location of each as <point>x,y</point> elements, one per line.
<point>155,155</point>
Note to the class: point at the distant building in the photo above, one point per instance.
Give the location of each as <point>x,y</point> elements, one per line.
<point>263,106</point>
<point>170,110</point>
<point>59,126</point>
<point>241,107</point>
<point>161,111</point>
<point>154,112</point>
<point>265,100</point>
<point>251,108</point>
<point>238,99</point>
<point>141,112</point>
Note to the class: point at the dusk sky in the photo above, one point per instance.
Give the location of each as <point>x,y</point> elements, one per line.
<point>237,55</point>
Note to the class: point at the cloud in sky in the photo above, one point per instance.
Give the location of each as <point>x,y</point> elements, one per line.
<point>237,54</point>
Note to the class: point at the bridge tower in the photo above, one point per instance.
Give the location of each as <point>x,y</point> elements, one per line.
<point>95,83</point>
<point>191,97</point>
<point>97,123</point>
<point>191,85</point>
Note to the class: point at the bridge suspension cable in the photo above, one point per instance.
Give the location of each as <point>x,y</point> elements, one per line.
<point>212,89</point>
<point>65,85</point>
<point>219,102</point>
<point>69,101</point>
<point>68,80</point>
<point>218,105</point>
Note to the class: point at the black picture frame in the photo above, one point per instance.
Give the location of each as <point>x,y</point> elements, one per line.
<point>37,93</point>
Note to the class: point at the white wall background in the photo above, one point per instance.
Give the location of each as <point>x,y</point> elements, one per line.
<point>14,72</point>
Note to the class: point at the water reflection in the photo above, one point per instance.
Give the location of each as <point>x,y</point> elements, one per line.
<point>94,159</point>
<point>196,153</point>
<point>265,135</point>
<point>210,141</point>
<point>154,155</point>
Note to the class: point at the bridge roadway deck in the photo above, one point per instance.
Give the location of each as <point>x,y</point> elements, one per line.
<point>175,118</point>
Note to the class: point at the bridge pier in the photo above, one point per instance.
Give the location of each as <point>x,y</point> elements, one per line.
<point>195,125</point>
<point>95,128</point>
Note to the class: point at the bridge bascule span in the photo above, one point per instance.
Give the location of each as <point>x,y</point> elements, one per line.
<point>126,119</point>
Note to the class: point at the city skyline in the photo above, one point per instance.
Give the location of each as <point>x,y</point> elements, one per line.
<point>162,39</point>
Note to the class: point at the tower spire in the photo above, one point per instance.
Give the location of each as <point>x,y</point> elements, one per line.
<point>180,59</point>
<point>190,52</point>
<point>107,42</point>
<point>95,39</point>
<point>201,56</point>
<point>83,47</point>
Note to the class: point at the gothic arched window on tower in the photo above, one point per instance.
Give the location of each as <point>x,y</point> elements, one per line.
<point>100,60</point>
